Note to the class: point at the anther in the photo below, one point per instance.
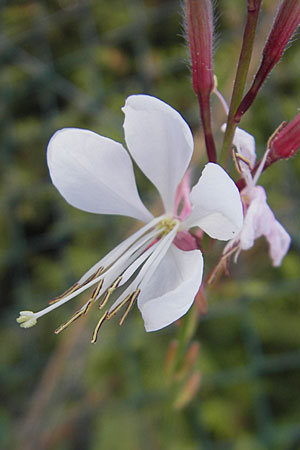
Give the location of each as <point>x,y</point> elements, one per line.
<point>69,291</point>
<point>97,290</point>
<point>73,318</point>
<point>109,291</point>
<point>97,328</point>
<point>120,306</point>
<point>133,298</point>
<point>94,275</point>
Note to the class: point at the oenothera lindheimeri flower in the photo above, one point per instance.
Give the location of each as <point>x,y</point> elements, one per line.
<point>95,174</point>
<point>259,218</point>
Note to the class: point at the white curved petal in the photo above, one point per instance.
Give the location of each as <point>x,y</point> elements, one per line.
<point>170,292</point>
<point>217,206</point>
<point>160,141</point>
<point>94,173</point>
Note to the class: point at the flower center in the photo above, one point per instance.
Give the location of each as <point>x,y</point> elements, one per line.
<point>167,224</point>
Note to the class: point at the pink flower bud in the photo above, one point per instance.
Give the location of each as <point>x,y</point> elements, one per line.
<point>200,30</point>
<point>286,142</point>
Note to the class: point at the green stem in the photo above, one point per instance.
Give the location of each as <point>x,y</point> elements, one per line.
<point>241,76</point>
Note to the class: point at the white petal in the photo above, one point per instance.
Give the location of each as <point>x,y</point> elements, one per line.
<point>94,173</point>
<point>217,206</point>
<point>170,292</point>
<point>160,141</point>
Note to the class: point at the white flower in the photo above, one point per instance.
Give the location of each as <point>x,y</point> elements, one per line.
<point>259,218</point>
<point>95,174</point>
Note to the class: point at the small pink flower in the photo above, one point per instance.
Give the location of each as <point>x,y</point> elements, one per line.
<point>259,219</point>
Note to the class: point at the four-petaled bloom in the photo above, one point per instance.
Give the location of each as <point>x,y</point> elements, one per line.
<point>259,218</point>
<point>95,174</point>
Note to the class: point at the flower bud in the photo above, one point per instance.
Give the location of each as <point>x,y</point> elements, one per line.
<point>199,17</point>
<point>286,141</point>
<point>200,30</point>
<point>285,24</point>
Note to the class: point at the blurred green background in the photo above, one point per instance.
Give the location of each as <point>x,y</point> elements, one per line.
<point>73,63</point>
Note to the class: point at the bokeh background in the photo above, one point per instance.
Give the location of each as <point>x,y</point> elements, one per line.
<point>73,63</point>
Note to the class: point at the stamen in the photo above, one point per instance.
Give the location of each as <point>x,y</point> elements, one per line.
<point>120,306</point>
<point>94,275</point>
<point>69,291</point>
<point>109,291</point>
<point>134,297</point>
<point>236,162</point>
<point>97,290</point>
<point>76,286</point>
<point>73,318</point>
<point>88,306</point>
<point>97,328</point>
<point>244,159</point>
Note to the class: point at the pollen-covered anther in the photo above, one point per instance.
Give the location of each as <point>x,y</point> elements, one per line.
<point>27,319</point>
<point>109,291</point>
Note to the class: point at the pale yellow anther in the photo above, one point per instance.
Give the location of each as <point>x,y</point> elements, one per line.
<point>26,319</point>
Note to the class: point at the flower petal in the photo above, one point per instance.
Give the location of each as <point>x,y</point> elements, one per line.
<point>94,173</point>
<point>260,221</point>
<point>217,206</point>
<point>279,242</point>
<point>160,141</point>
<point>172,288</point>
